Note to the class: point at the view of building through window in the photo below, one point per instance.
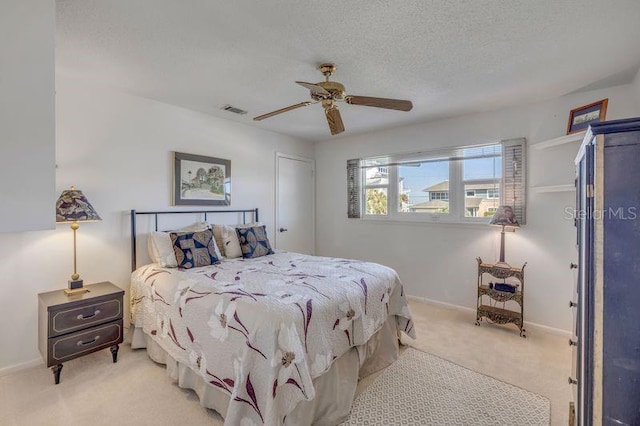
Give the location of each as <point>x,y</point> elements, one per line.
<point>481,178</point>
<point>424,186</point>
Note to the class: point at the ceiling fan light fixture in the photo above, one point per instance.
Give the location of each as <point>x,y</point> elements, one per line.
<point>334,119</point>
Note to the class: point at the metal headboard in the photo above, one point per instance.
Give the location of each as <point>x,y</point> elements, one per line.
<point>134,214</point>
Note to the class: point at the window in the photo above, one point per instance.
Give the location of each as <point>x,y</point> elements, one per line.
<point>376,185</point>
<point>438,195</point>
<point>454,185</point>
<point>425,186</point>
<point>481,175</point>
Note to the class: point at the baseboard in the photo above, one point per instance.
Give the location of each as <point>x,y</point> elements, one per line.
<point>21,366</point>
<point>529,325</point>
<point>439,303</point>
<point>546,329</point>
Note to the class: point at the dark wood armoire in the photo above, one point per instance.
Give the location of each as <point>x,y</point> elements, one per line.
<point>606,367</point>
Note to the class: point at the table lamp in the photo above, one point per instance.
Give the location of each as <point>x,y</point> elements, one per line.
<point>505,217</point>
<point>73,207</point>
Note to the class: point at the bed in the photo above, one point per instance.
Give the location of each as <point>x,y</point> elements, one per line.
<point>278,339</point>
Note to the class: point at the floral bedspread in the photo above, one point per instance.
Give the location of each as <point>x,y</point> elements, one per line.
<point>261,329</point>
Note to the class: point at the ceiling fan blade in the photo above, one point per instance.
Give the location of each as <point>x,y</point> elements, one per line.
<point>334,119</point>
<point>280,111</point>
<point>315,89</point>
<point>379,102</point>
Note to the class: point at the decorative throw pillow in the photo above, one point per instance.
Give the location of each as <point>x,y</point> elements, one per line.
<point>254,241</point>
<point>161,248</point>
<point>194,249</point>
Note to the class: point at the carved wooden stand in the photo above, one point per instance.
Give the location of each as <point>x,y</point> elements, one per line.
<point>493,313</point>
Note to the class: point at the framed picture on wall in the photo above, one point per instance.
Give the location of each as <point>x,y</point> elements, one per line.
<point>580,118</point>
<point>200,180</point>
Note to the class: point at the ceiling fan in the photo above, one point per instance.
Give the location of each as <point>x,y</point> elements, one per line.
<point>329,92</point>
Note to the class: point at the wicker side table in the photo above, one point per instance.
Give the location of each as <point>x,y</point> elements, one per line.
<point>488,297</point>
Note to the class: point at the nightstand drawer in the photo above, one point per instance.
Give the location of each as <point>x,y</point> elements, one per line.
<point>64,348</point>
<point>80,317</point>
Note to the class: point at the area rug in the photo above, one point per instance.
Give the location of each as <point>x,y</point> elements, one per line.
<point>422,389</point>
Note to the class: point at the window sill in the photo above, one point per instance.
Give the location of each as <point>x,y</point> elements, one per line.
<point>428,222</point>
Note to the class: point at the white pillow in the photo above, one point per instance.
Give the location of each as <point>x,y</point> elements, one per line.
<point>217,235</point>
<point>161,249</point>
<point>231,242</point>
<point>230,239</point>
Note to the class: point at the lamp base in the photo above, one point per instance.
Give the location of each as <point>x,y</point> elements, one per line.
<point>70,292</point>
<point>75,287</point>
<point>502,264</point>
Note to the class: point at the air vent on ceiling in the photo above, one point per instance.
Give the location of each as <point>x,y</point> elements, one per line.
<point>234,110</point>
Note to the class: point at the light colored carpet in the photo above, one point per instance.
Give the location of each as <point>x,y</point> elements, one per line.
<point>422,389</point>
<point>541,363</point>
<point>136,391</point>
<point>95,391</point>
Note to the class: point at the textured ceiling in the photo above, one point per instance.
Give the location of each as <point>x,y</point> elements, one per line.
<point>448,57</point>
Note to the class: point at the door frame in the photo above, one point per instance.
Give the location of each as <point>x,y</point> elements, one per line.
<point>312,162</point>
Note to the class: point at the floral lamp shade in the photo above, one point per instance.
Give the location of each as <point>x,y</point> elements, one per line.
<point>73,206</point>
<point>504,216</point>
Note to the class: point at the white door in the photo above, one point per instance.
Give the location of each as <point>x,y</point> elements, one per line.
<point>295,204</point>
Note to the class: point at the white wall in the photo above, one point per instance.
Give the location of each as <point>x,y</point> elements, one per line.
<point>437,261</point>
<point>27,120</point>
<point>116,149</point>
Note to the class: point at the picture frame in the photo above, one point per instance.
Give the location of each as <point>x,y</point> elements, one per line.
<point>581,117</point>
<point>199,180</point>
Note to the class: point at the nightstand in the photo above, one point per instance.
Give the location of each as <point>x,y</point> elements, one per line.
<point>72,326</point>
<point>494,313</point>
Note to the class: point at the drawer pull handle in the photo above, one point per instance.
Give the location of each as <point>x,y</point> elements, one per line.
<point>572,381</point>
<point>573,342</point>
<point>82,317</point>
<point>573,266</point>
<point>572,304</point>
<point>81,343</point>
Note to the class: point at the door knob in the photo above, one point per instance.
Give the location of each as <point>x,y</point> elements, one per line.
<point>573,266</point>
<point>573,342</point>
<point>283,229</point>
<point>572,381</point>
<point>572,304</point>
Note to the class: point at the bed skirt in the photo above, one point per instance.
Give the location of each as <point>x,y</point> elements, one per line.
<point>335,389</point>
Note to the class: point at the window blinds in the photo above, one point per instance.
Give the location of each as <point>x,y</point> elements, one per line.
<point>353,188</point>
<point>514,177</point>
